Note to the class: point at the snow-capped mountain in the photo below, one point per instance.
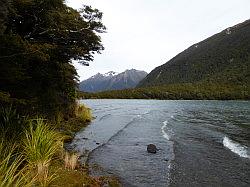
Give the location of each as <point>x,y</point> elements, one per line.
<point>110,73</point>
<point>112,81</point>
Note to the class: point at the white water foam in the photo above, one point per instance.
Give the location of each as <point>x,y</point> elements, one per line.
<point>235,147</point>
<point>165,134</point>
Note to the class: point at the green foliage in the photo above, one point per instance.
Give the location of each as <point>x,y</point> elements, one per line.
<point>38,42</point>
<point>11,123</point>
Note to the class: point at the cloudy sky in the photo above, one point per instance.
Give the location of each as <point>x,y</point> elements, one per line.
<point>143,34</point>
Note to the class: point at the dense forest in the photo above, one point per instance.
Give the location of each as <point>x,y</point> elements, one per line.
<point>186,91</point>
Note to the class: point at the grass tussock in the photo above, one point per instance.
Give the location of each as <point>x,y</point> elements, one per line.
<point>84,113</point>
<point>40,145</point>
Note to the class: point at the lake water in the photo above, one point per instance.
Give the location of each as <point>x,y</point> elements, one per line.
<point>201,143</point>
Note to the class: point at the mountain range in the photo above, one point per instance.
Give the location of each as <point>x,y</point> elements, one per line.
<point>112,81</point>
<point>215,68</point>
<point>221,59</point>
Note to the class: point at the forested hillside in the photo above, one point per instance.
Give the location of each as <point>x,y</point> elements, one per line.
<point>221,59</point>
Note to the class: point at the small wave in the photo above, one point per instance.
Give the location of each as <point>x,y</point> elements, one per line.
<point>165,135</point>
<point>235,147</point>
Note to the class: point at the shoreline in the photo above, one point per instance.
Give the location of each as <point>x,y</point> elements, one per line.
<point>128,147</point>
<point>84,157</point>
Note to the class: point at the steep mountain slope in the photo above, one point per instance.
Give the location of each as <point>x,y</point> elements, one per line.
<point>221,59</point>
<point>112,81</point>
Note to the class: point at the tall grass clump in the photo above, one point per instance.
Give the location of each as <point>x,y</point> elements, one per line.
<point>40,146</point>
<point>11,171</point>
<point>84,113</point>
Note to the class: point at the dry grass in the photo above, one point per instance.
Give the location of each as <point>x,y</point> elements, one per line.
<point>68,178</point>
<point>84,113</point>
<point>70,160</point>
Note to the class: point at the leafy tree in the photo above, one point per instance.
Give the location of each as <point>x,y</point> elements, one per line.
<point>40,40</point>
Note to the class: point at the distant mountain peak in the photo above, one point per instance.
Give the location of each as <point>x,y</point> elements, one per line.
<point>110,73</point>
<point>112,81</point>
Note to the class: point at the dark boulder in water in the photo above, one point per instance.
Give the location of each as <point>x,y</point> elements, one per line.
<point>151,148</point>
